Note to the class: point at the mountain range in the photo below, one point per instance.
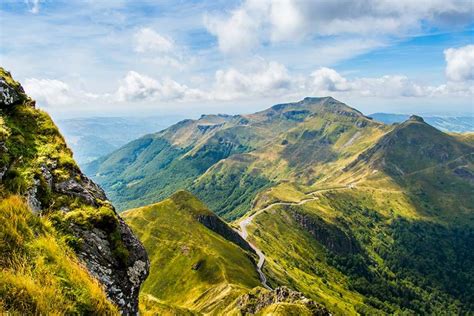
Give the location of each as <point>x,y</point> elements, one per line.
<point>357,215</point>
<point>93,137</point>
<point>305,208</point>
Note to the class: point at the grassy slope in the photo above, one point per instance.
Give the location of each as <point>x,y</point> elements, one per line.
<point>33,142</point>
<point>406,221</point>
<point>191,266</point>
<point>40,274</point>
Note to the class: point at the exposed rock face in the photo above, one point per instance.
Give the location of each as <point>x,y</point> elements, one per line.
<point>8,95</point>
<point>252,303</point>
<point>105,244</point>
<point>215,224</point>
<point>328,235</point>
<point>84,189</point>
<point>121,278</point>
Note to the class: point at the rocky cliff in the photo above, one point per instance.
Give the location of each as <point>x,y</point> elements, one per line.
<point>260,300</point>
<point>36,163</point>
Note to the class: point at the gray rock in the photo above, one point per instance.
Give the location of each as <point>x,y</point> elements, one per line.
<point>85,189</point>
<point>252,303</point>
<point>9,96</point>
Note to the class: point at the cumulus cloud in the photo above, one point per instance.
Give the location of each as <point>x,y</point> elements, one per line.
<point>160,50</point>
<point>237,33</point>
<point>48,92</point>
<point>460,63</point>
<point>138,87</point>
<point>328,81</point>
<point>267,79</point>
<point>257,21</point>
<point>147,40</point>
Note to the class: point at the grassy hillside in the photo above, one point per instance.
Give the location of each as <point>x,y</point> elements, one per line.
<point>391,232</point>
<point>78,223</point>
<point>40,274</point>
<point>192,267</point>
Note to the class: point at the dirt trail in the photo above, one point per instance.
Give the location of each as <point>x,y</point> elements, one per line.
<point>242,231</point>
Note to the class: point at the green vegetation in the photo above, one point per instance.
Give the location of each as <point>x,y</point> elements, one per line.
<point>192,267</point>
<point>387,221</point>
<point>227,160</point>
<point>40,274</point>
<point>40,271</point>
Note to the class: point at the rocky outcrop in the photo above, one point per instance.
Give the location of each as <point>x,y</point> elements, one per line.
<point>11,93</point>
<point>330,236</point>
<point>82,188</point>
<point>121,274</point>
<point>218,226</point>
<point>35,162</point>
<point>252,303</point>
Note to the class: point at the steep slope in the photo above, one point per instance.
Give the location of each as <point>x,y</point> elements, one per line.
<point>36,164</point>
<point>40,274</point>
<point>388,233</point>
<point>196,261</point>
<point>201,265</point>
<point>435,169</point>
<point>226,160</point>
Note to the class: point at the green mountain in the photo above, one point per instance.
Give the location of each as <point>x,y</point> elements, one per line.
<point>198,263</point>
<point>63,249</point>
<point>390,232</point>
<point>359,216</point>
<point>226,160</point>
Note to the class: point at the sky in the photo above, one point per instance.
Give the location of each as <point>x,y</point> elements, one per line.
<point>143,57</point>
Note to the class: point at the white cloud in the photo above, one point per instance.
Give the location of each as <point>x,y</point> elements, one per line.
<point>137,87</point>
<point>260,21</point>
<point>147,40</point>
<point>236,34</point>
<point>286,20</point>
<point>34,6</point>
<point>328,81</point>
<point>268,79</point>
<point>48,92</point>
<point>460,63</point>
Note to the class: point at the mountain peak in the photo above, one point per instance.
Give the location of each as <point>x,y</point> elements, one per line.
<point>416,118</point>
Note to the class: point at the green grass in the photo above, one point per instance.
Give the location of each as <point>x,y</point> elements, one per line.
<point>40,274</point>
<point>192,267</point>
<point>406,261</point>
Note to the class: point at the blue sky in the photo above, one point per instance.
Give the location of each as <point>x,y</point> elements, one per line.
<point>189,57</point>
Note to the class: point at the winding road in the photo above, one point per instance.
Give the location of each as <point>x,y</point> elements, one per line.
<point>242,231</point>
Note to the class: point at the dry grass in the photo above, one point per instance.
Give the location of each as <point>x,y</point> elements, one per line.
<point>39,273</point>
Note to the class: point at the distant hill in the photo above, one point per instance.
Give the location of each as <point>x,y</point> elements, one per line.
<point>94,137</point>
<point>457,124</point>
